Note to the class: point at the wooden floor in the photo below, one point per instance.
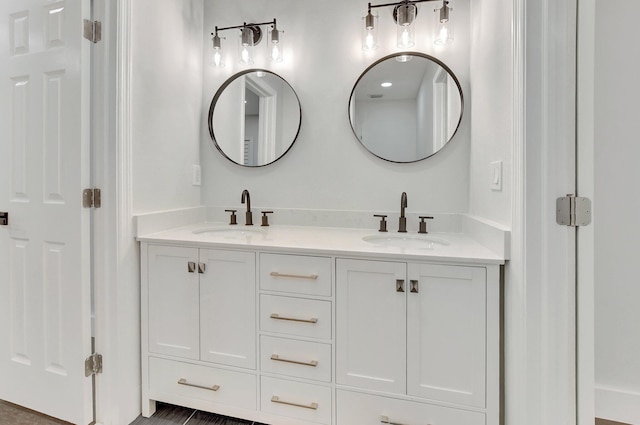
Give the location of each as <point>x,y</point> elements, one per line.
<point>166,414</point>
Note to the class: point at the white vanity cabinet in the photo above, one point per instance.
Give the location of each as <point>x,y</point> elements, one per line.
<point>304,337</point>
<point>201,308</point>
<point>420,331</point>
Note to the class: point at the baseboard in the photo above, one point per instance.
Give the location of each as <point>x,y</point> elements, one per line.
<point>617,405</point>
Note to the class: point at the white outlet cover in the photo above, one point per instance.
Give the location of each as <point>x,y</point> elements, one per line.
<point>495,175</point>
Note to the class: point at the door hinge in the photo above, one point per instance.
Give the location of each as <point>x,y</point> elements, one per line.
<point>93,364</point>
<point>573,211</point>
<point>92,30</point>
<point>91,198</point>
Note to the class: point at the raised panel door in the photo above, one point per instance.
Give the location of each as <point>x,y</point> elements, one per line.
<point>371,324</point>
<point>446,333</point>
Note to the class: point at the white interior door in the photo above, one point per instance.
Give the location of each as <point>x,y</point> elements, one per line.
<point>608,253</point>
<point>45,251</point>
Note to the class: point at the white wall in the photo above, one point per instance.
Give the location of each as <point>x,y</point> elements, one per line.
<point>617,285</point>
<point>491,99</point>
<point>327,168</point>
<point>166,84</point>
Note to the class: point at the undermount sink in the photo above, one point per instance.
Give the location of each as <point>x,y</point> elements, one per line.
<point>232,232</point>
<point>400,240</point>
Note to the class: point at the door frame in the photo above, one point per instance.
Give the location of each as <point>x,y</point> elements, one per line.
<point>539,297</point>
<point>117,276</point>
<point>585,356</point>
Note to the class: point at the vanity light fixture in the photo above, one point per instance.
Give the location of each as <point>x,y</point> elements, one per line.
<point>249,37</point>
<point>386,84</point>
<point>405,13</point>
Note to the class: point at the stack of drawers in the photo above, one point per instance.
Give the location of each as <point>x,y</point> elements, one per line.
<point>296,336</point>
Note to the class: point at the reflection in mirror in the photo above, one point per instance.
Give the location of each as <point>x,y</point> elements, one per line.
<point>406,107</point>
<point>254,118</point>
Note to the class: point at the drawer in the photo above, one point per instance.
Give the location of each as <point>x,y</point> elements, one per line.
<point>171,380</point>
<point>296,274</point>
<point>357,408</point>
<point>295,316</point>
<point>298,400</point>
<point>302,359</point>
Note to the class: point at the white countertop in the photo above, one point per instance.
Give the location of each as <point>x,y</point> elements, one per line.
<point>446,247</point>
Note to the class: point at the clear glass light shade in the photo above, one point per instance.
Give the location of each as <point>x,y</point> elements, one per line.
<point>215,54</point>
<point>276,47</point>
<point>370,32</point>
<point>245,47</point>
<point>405,15</point>
<point>443,30</point>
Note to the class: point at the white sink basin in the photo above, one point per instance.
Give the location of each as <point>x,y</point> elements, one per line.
<point>231,232</point>
<point>399,240</point>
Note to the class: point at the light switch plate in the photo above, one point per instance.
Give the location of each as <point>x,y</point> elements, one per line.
<point>495,175</point>
<point>197,176</point>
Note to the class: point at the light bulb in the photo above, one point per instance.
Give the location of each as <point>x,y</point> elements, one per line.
<point>405,15</point>
<point>244,56</point>
<point>369,41</point>
<point>369,38</point>
<point>443,32</point>
<point>275,38</point>
<point>217,58</point>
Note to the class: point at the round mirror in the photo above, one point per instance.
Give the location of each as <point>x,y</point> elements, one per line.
<point>254,118</point>
<point>406,107</point>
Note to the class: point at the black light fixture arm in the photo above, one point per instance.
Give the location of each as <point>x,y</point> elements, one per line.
<point>245,25</point>
<point>403,2</point>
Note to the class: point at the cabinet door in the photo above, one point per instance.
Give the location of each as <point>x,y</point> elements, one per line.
<point>446,333</point>
<point>371,324</point>
<point>173,301</point>
<point>228,308</point>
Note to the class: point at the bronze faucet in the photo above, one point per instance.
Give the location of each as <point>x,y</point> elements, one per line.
<point>402,227</point>
<point>248,215</point>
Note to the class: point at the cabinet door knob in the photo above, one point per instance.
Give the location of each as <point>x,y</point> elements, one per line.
<point>399,285</point>
<point>415,288</point>
<point>191,266</point>
<point>201,267</point>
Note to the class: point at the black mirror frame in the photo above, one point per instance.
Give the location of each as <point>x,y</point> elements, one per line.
<point>219,93</point>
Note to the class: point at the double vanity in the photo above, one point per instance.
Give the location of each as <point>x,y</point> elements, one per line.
<point>308,325</point>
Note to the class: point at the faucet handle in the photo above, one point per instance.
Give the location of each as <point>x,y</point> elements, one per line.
<point>383,222</point>
<point>423,223</point>
<point>233,218</point>
<point>265,218</point>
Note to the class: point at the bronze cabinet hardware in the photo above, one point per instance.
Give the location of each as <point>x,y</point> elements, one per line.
<point>312,363</point>
<point>399,285</point>
<point>276,316</point>
<point>295,276</point>
<point>183,381</point>
<point>191,266</point>
<point>414,286</point>
<point>276,399</point>
<point>4,218</point>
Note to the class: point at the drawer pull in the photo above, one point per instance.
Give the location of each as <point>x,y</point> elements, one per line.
<point>385,420</point>
<point>183,381</point>
<point>277,358</point>
<point>312,406</point>
<point>295,276</point>
<point>293,319</point>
